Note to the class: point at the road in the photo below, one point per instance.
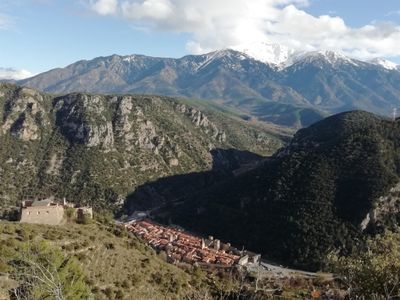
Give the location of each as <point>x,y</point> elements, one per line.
<point>267,268</point>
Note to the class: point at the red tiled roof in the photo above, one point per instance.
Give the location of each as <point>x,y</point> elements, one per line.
<point>184,246</point>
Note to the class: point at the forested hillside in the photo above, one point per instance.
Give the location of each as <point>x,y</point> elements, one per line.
<point>324,191</point>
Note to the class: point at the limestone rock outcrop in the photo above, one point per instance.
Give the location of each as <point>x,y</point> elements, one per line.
<point>84,119</point>
<point>24,115</point>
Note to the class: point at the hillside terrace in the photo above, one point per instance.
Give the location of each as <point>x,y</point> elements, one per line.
<point>184,247</point>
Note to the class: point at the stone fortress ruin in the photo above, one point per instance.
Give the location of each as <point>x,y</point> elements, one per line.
<point>51,212</point>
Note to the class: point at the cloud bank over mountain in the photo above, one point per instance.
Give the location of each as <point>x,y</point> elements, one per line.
<point>13,74</point>
<point>236,23</point>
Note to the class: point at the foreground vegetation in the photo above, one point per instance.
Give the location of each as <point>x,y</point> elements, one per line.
<point>105,262</point>
<point>374,271</point>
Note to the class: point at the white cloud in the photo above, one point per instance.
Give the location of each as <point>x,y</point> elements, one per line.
<point>149,9</point>
<point>228,23</point>
<point>10,73</point>
<point>391,13</point>
<point>105,7</point>
<point>5,22</point>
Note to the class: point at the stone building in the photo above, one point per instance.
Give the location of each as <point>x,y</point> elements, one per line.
<point>51,212</point>
<point>83,212</point>
<point>42,212</point>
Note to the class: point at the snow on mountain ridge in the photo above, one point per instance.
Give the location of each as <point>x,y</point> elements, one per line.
<point>332,57</point>
<point>129,58</point>
<point>273,54</point>
<point>387,64</point>
<point>225,53</point>
<point>278,56</point>
<point>283,57</point>
<point>230,53</point>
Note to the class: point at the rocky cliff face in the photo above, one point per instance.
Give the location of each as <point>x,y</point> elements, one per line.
<point>98,148</point>
<point>201,121</point>
<point>83,119</point>
<point>24,115</point>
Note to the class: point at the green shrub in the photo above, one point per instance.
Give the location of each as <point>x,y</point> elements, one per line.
<point>109,293</point>
<point>119,294</point>
<point>85,219</point>
<point>126,284</point>
<point>373,272</point>
<point>70,214</point>
<point>109,246</point>
<point>63,277</point>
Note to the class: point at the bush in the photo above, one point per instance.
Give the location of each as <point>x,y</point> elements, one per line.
<point>109,293</point>
<point>22,232</point>
<point>62,279</point>
<point>104,217</point>
<point>109,246</point>
<point>163,256</point>
<point>374,271</point>
<point>119,294</point>
<point>69,213</point>
<point>85,219</point>
<point>51,235</point>
<point>126,284</point>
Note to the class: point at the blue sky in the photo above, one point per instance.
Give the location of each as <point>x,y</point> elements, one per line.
<point>48,35</point>
<point>357,13</point>
<point>37,35</point>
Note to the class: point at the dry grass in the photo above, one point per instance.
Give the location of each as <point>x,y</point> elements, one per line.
<point>117,266</point>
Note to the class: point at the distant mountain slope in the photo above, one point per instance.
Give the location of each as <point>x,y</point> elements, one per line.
<point>97,148</point>
<point>319,193</point>
<point>335,83</point>
<point>313,84</point>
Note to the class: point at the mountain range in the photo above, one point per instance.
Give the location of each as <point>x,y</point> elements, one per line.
<point>299,91</point>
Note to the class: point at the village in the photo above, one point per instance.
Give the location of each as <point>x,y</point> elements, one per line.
<point>181,246</point>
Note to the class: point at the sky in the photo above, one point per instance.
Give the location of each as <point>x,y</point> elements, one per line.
<point>38,35</point>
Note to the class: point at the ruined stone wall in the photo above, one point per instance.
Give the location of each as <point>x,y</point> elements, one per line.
<point>50,215</point>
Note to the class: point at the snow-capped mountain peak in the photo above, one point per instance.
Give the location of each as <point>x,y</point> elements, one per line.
<point>387,64</point>
<point>273,54</point>
<point>283,57</point>
<point>332,57</point>
<point>129,58</point>
<point>231,53</point>
<point>229,56</point>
